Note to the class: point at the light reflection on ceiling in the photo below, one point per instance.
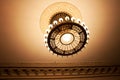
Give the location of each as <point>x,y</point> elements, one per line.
<point>21,39</point>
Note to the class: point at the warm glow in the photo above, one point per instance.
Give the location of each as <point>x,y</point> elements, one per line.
<point>57,7</point>
<point>22,40</point>
<point>67,38</point>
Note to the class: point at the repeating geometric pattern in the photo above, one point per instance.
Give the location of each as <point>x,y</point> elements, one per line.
<point>58,72</point>
<point>66,36</point>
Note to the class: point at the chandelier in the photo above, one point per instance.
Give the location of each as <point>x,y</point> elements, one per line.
<point>65,35</point>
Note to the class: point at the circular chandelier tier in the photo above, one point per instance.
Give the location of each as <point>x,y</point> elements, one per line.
<point>66,35</point>
<point>64,8</point>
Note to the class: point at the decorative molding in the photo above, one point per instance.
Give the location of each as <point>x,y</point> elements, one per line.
<point>57,71</point>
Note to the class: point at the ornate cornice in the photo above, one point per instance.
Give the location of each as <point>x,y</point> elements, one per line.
<point>57,71</point>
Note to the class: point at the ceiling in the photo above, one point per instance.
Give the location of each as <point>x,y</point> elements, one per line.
<point>21,39</point>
